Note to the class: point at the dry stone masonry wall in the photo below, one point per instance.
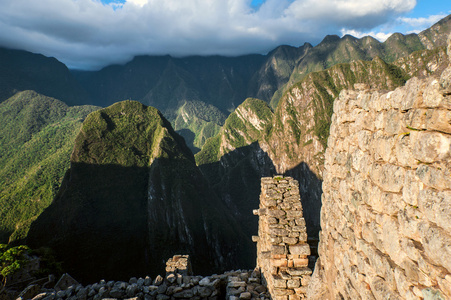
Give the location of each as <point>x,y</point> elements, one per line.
<point>386,203</point>
<point>178,283</point>
<point>282,249</point>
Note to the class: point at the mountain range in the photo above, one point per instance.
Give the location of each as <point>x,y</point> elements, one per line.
<point>131,172</point>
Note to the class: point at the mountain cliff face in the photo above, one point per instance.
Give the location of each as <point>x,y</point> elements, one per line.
<point>21,70</point>
<point>132,198</point>
<point>36,139</point>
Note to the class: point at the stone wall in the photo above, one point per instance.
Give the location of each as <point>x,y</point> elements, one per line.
<point>386,203</point>
<point>282,249</point>
<point>178,283</point>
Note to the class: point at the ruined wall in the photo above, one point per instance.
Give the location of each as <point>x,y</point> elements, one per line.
<point>282,249</point>
<point>178,283</point>
<point>386,203</point>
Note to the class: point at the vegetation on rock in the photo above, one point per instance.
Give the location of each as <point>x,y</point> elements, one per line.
<point>12,259</point>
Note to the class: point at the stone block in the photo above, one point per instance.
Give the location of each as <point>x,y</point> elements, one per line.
<point>382,146</point>
<point>293,214</point>
<point>282,292</point>
<point>299,271</point>
<point>411,188</point>
<point>289,240</point>
<point>278,249</point>
<point>409,221</point>
<point>236,284</point>
<point>279,262</point>
<point>292,198</point>
<point>428,147</point>
<point>380,289</point>
<point>269,202</point>
<point>293,283</point>
<point>245,295</point>
<point>391,238</point>
<point>365,120</point>
<point>403,151</point>
<point>436,206</point>
<point>388,177</point>
<point>437,245</point>
<point>272,220</point>
<point>302,236</point>
<point>279,282</point>
<point>393,123</point>
<point>276,213</point>
<point>439,120</point>
<point>301,249</point>
<point>432,96</point>
<point>278,232</point>
<point>275,240</point>
<point>300,262</point>
<point>439,179</point>
<point>415,119</point>
<point>300,221</point>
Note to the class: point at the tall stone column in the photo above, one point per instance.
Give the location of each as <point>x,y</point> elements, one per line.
<point>282,249</point>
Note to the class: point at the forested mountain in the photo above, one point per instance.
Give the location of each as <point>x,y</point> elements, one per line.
<point>133,197</point>
<point>36,139</point>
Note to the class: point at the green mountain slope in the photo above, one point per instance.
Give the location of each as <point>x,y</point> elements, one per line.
<point>132,198</point>
<point>36,138</point>
<point>334,50</point>
<point>196,116</point>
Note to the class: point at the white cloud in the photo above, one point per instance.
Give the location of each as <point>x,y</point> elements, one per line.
<point>381,36</point>
<point>409,25</point>
<point>87,33</point>
<point>422,22</point>
<point>138,2</point>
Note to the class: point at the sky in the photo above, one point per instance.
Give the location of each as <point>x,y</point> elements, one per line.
<point>90,34</point>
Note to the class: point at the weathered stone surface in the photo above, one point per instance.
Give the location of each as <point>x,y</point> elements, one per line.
<point>388,177</point>
<point>386,202</point>
<point>428,147</point>
<point>302,249</point>
<point>436,206</point>
<point>434,177</point>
